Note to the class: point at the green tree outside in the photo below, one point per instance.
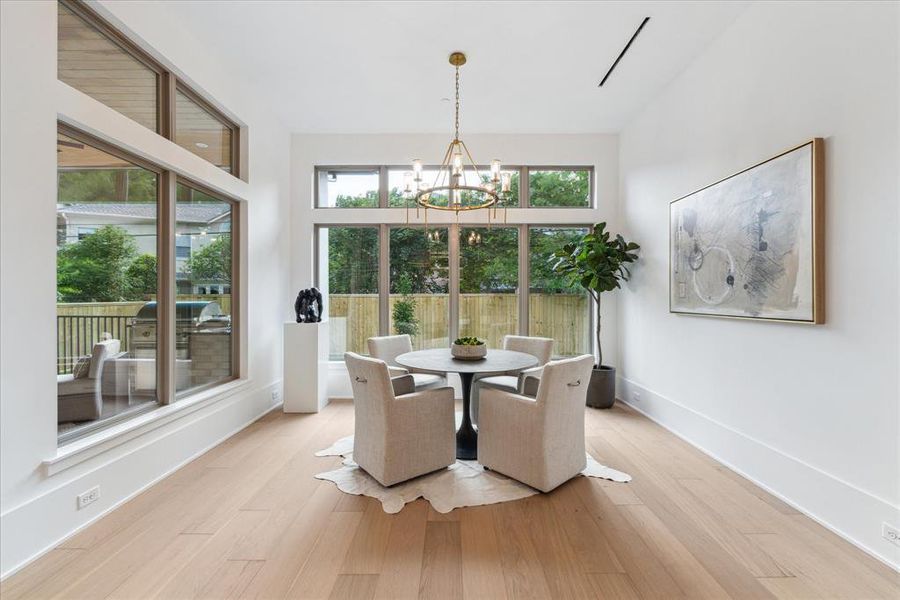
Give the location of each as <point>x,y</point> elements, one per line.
<point>404,311</point>
<point>141,275</point>
<point>212,262</point>
<point>94,269</point>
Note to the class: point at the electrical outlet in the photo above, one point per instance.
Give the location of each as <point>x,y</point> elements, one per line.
<point>890,533</point>
<point>636,396</point>
<point>275,395</point>
<point>88,497</point>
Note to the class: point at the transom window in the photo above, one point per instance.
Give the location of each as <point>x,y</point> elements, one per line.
<point>382,186</point>
<point>95,58</point>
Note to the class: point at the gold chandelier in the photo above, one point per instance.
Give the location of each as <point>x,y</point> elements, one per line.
<point>458,185</point>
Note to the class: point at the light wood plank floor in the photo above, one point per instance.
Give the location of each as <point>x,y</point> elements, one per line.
<point>248,520</point>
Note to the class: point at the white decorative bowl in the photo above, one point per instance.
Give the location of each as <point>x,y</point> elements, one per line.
<point>468,352</point>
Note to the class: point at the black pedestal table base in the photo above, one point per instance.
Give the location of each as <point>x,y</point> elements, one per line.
<point>467,435</point>
<point>442,361</point>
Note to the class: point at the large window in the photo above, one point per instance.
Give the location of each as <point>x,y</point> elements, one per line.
<point>444,281</point>
<point>106,248</point>
<point>101,62</point>
<point>113,287</point>
<point>203,289</point>
<point>352,293</point>
<point>448,281</point>
<point>555,308</point>
<point>147,270</point>
<point>488,283</point>
<point>420,285</point>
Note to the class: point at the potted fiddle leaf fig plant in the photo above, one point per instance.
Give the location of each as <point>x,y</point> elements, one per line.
<point>598,263</point>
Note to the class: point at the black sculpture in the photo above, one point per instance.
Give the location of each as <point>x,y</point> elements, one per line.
<point>308,306</point>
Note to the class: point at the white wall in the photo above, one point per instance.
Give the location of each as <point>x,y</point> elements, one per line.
<point>811,412</point>
<point>309,150</point>
<point>37,510</point>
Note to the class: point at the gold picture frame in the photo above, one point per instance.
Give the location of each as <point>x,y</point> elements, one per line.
<point>752,245</point>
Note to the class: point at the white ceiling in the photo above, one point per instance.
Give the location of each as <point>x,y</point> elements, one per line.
<point>377,67</point>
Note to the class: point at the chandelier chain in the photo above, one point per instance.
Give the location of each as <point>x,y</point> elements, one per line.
<point>456,123</point>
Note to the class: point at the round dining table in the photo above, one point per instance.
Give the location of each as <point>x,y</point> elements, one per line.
<point>441,361</point>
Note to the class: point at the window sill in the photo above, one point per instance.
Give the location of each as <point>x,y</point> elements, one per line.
<point>88,447</point>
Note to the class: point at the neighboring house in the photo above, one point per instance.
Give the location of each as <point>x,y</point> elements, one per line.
<point>197,226</point>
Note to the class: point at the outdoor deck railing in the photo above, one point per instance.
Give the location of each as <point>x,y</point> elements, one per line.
<point>77,334</point>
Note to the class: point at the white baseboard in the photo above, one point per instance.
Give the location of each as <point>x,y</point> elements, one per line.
<point>23,518</point>
<point>852,513</point>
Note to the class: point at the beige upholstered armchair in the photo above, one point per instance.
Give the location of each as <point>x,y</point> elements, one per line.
<point>78,395</point>
<point>538,441</point>
<point>389,347</point>
<point>399,436</point>
<point>539,347</point>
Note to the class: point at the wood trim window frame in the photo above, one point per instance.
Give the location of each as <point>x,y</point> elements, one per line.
<point>167,82</point>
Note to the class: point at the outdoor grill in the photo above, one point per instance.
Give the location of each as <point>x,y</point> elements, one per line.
<point>190,317</point>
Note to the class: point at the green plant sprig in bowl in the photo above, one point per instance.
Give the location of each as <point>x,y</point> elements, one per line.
<point>468,341</point>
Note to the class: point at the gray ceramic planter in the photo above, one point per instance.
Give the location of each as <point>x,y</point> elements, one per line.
<point>602,389</point>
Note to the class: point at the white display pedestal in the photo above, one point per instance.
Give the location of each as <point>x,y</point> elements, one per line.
<point>305,367</point>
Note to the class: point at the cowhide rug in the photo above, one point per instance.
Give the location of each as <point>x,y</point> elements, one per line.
<point>464,483</point>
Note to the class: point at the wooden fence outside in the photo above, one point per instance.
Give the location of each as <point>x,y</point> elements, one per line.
<point>564,317</point>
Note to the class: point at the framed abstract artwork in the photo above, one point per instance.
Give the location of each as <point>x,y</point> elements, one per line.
<point>751,246</point>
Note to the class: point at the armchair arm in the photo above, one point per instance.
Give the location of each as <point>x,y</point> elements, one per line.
<point>397,371</point>
<point>529,380</point>
<point>528,386</point>
<point>404,384</point>
<point>533,372</point>
<point>503,400</point>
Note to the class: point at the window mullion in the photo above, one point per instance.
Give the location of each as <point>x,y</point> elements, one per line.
<point>166,285</point>
<point>453,243</point>
<point>524,277</point>
<point>167,105</point>
<point>384,280</point>
<point>383,187</point>
<point>523,187</point>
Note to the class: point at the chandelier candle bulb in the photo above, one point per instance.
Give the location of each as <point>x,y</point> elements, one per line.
<point>417,168</point>
<point>495,170</point>
<point>506,182</point>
